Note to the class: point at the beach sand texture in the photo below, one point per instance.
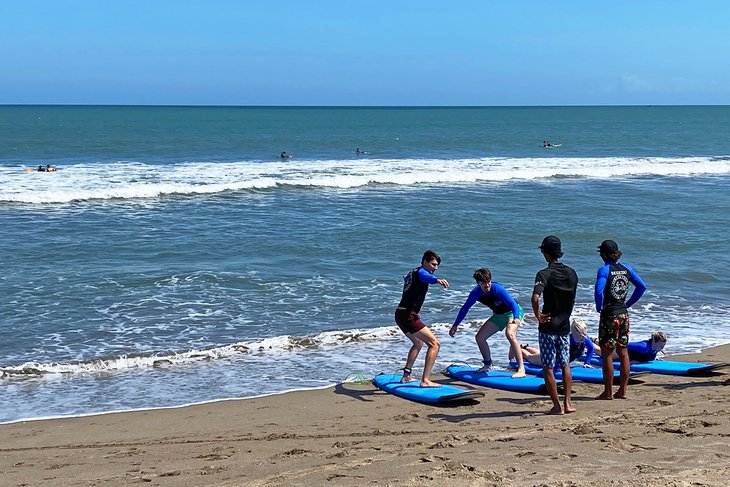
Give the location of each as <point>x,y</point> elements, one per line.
<point>672,431</point>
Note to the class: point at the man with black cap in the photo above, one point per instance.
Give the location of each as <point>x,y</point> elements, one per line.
<point>612,287</point>
<point>557,283</point>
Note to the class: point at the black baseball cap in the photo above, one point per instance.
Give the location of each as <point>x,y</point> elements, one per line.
<point>551,244</point>
<point>608,247</point>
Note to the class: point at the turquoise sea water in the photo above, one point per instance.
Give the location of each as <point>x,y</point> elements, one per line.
<point>174,258</point>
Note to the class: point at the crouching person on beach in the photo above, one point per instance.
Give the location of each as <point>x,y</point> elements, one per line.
<point>507,316</point>
<point>558,284</point>
<point>415,287</point>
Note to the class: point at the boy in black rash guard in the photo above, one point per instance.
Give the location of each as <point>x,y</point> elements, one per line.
<point>557,283</point>
<point>415,287</point>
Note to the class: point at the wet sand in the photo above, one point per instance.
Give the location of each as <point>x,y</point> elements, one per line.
<point>671,431</point>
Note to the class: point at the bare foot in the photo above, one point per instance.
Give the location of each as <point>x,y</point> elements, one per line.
<point>408,378</point>
<point>604,397</point>
<point>619,396</point>
<point>519,374</point>
<point>569,408</point>
<point>556,410</point>
<point>429,383</point>
<point>484,369</point>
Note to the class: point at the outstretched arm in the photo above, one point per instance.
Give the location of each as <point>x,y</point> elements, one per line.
<point>470,300</point>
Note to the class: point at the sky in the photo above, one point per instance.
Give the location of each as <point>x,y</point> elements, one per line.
<point>365,53</point>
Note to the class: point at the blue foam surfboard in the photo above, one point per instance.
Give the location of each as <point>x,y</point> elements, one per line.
<point>496,379</point>
<point>412,390</point>
<point>577,372</point>
<point>669,367</point>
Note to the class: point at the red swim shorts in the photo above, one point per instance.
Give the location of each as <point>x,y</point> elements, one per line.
<point>408,321</point>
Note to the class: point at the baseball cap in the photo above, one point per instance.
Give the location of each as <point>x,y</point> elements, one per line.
<point>551,243</point>
<point>608,247</point>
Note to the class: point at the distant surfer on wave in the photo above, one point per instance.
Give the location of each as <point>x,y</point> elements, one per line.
<point>415,287</point>
<point>48,168</point>
<point>284,155</point>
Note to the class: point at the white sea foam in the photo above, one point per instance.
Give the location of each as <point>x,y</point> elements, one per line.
<point>262,349</point>
<point>380,345</point>
<point>133,180</point>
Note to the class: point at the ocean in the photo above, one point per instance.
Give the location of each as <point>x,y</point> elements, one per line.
<point>175,258</point>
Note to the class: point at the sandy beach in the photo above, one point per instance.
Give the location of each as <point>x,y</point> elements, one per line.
<point>671,431</point>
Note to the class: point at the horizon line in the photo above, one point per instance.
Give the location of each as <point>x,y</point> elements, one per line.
<point>151,105</point>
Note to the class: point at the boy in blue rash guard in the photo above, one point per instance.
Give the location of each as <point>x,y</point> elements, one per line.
<point>557,284</point>
<point>612,287</point>
<point>415,287</point>
<point>507,316</point>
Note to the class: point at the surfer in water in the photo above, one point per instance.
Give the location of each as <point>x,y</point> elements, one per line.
<point>507,316</point>
<point>284,155</point>
<point>415,287</point>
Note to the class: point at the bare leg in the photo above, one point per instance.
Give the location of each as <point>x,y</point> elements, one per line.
<point>552,388</point>
<point>487,330</point>
<point>511,332</point>
<point>412,356</point>
<point>532,355</point>
<point>625,368</point>
<point>567,384</point>
<point>607,361</point>
<point>427,337</point>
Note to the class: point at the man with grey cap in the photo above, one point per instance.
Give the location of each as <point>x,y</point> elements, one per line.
<point>557,284</point>
<point>612,287</point>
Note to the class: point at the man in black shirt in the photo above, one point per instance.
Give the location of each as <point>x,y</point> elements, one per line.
<point>557,284</point>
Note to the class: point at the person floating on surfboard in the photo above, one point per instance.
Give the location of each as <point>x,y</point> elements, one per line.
<point>415,287</point>
<point>612,288</point>
<point>507,315</point>
<point>47,168</point>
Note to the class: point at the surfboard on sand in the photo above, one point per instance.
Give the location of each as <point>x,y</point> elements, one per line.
<point>577,372</point>
<point>669,367</point>
<point>496,379</point>
<point>432,395</point>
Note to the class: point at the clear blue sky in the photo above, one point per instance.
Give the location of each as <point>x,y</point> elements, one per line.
<point>367,52</point>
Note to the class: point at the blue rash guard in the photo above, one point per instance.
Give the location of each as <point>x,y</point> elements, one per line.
<point>641,351</point>
<point>612,287</point>
<point>497,299</point>
<point>577,349</point>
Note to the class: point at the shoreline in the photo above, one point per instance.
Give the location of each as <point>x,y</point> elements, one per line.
<point>672,430</point>
<point>293,389</point>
